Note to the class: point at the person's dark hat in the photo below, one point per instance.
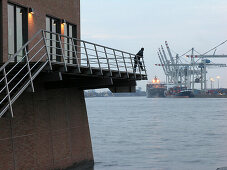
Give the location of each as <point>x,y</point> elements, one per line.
<point>142,48</point>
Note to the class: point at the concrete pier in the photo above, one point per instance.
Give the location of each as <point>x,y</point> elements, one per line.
<point>49,131</point>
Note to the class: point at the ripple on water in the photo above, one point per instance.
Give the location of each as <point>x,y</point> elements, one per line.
<point>136,133</point>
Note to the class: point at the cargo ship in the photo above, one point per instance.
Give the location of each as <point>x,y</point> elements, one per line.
<point>179,92</point>
<point>183,92</point>
<point>155,89</point>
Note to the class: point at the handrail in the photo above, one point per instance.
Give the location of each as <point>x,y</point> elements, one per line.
<point>18,52</point>
<point>14,78</point>
<point>88,53</point>
<point>91,43</point>
<point>73,52</point>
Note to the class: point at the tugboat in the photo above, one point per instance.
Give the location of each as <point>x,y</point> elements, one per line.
<point>156,89</point>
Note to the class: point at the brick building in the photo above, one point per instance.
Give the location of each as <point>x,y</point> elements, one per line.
<point>42,135</point>
<point>41,51</point>
<point>24,18</point>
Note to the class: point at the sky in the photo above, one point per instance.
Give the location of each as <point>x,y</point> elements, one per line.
<point>129,25</point>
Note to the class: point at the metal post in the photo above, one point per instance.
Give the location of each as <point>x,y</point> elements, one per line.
<point>29,70</point>
<point>97,55</point>
<point>74,48</point>
<point>132,66</point>
<point>48,55</point>
<point>201,78</point>
<point>193,65</point>
<point>88,63</point>
<point>144,67</point>
<point>63,54</point>
<point>138,65</point>
<point>8,93</point>
<point>107,60</point>
<point>117,62</point>
<point>205,77</point>
<point>125,64</point>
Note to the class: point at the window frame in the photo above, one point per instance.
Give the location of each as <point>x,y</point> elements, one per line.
<point>58,31</point>
<point>24,25</point>
<point>74,35</point>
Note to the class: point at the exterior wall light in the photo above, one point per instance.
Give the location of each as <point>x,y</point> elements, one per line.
<point>31,10</point>
<point>21,11</point>
<point>63,21</point>
<point>55,22</point>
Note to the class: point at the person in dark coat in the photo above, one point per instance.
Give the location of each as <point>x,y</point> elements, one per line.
<point>137,60</point>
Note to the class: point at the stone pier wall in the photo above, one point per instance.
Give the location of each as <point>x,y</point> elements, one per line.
<point>50,130</point>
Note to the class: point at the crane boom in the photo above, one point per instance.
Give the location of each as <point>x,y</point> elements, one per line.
<point>189,72</point>
<point>197,64</point>
<point>170,54</point>
<point>165,62</point>
<point>206,56</point>
<point>165,57</point>
<point>164,69</point>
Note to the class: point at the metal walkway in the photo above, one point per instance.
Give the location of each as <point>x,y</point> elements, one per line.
<point>48,51</point>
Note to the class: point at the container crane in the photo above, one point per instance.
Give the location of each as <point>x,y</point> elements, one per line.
<point>187,73</point>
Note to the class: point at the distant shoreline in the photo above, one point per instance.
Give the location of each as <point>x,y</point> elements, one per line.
<point>93,93</point>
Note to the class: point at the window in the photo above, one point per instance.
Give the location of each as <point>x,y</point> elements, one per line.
<point>70,31</point>
<point>53,26</point>
<point>17,29</point>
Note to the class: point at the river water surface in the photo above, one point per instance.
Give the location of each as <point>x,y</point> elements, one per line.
<point>136,133</point>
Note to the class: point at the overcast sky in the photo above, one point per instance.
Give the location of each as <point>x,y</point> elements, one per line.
<point>131,24</point>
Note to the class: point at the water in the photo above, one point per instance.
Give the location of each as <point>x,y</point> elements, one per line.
<point>136,133</point>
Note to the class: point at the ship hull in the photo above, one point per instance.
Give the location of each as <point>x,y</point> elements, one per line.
<point>156,93</point>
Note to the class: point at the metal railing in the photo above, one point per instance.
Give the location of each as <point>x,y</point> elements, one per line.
<point>48,48</point>
<point>81,53</point>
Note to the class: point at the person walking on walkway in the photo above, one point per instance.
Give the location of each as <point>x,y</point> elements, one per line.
<point>137,60</point>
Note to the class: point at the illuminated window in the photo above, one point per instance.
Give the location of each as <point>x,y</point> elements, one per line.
<point>53,25</point>
<point>70,31</point>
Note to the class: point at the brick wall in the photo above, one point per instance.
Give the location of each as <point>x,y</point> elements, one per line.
<point>1,33</point>
<point>62,9</point>
<point>49,131</point>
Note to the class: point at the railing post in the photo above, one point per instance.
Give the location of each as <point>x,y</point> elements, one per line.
<point>132,65</point>
<point>8,93</point>
<point>107,61</point>
<point>144,67</point>
<point>125,64</point>
<point>62,51</point>
<point>75,51</point>
<point>138,64</point>
<point>98,59</point>
<point>29,70</point>
<point>48,54</point>
<point>117,62</point>
<point>88,62</point>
